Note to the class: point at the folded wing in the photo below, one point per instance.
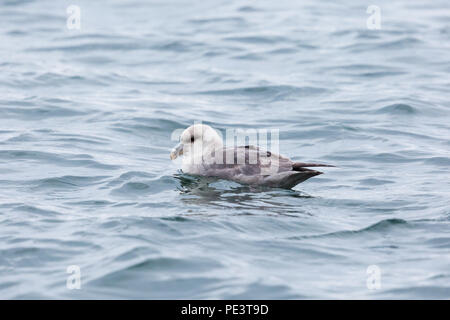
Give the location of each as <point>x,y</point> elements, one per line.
<point>252,165</point>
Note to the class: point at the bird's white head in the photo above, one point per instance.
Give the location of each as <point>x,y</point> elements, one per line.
<point>196,141</point>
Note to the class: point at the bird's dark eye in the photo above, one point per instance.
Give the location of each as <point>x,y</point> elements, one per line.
<point>192,139</point>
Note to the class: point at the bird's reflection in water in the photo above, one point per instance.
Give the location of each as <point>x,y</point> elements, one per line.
<point>198,190</point>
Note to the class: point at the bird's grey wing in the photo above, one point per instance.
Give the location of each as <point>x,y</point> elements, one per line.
<point>246,164</point>
<point>253,165</point>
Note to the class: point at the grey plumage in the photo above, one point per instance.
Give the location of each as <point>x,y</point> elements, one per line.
<point>258,167</point>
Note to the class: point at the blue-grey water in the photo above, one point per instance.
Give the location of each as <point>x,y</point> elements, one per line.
<point>86,117</point>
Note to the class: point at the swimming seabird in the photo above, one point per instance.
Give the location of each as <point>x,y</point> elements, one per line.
<point>204,154</point>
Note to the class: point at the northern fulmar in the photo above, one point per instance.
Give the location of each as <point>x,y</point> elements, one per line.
<point>204,155</point>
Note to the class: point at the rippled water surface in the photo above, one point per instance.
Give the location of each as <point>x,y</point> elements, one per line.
<point>86,118</point>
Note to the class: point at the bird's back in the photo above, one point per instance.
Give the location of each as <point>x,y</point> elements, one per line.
<point>252,165</point>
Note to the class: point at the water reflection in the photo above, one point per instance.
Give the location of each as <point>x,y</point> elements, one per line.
<point>197,190</point>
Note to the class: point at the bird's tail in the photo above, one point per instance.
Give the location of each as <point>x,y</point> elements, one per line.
<point>301,166</point>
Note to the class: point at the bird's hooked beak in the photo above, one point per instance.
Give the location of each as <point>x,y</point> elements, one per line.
<point>177,151</point>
